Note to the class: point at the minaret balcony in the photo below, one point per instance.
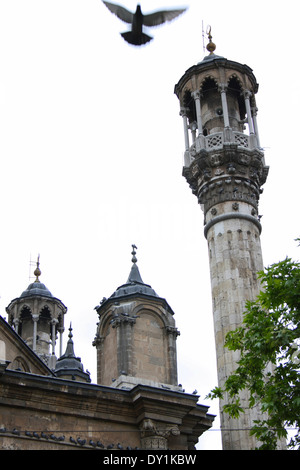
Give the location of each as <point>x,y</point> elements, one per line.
<point>217,140</point>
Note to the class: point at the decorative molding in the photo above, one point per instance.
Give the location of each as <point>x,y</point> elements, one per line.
<point>122,319</point>
<point>231,215</point>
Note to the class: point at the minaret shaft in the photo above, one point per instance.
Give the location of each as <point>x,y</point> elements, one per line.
<point>235,258</point>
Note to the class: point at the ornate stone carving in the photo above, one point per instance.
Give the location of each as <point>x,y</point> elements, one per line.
<point>171,330</point>
<point>230,174</point>
<point>119,319</point>
<point>154,443</point>
<point>98,340</point>
<point>216,159</point>
<point>155,436</point>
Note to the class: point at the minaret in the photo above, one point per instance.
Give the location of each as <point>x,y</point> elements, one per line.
<point>225,168</point>
<point>136,337</point>
<point>38,317</point>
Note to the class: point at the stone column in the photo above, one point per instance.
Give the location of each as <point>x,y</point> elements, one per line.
<point>99,343</point>
<point>222,89</point>
<point>172,334</point>
<point>254,114</point>
<point>53,335</point>
<point>196,95</point>
<point>35,319</point>
<point>124,325</point>
<point>247,96</point>
<point>183,113</point>
<point>16,324</point>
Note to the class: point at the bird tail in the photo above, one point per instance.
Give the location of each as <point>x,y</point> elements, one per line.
<point>136,39</point>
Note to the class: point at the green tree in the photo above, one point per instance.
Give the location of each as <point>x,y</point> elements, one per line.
<point>269,334</point>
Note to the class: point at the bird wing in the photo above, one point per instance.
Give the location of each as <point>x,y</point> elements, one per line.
<point>160,17</point>
<point>120,12</point>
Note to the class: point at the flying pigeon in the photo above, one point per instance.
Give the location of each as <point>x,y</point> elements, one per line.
<point>137,20</point>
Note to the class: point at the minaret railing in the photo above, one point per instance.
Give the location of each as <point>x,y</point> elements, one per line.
<point>217,140</point>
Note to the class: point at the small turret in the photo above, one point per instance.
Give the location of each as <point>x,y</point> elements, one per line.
<point>68,366</point>
<point>136,336</point>
<point>37,317</point>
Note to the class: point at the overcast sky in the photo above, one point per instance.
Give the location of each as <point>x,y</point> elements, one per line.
<point>91,148</point>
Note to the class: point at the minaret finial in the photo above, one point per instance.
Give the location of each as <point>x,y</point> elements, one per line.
<point>37,271</point>
<point>134,258</point>
<point>210,46</point>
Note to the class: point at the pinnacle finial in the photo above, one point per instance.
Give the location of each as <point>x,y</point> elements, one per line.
<point>210,46</point>
<point>134,258</point>
<point>70,331</point>
<point>37,271</point>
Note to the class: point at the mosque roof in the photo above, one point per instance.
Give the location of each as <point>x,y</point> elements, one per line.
<point>36,288</point>
<point>134,286</point>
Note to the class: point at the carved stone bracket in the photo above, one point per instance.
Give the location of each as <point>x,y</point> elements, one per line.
<point>120,319</point>
<point>98,340</point>
<point>171,330</point>
<point>155,436</point>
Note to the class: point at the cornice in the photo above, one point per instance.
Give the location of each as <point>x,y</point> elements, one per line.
<point>227,174</point>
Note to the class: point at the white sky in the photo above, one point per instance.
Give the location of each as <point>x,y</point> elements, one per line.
<point>91,149</point>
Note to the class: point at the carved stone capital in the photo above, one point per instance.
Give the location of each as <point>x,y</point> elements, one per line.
<point>155,436</point>
<point>98,341</point>
<point>222,87</point>
<point>247,94</point>
<point>196,94</point>
<point>183,112</point>
<point>171,330</point>
<point>121,320</point>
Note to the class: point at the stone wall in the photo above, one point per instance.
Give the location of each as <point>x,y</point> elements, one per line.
<point>48,413</point>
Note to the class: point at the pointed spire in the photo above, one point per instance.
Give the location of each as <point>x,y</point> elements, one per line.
<point>134,275</point>
<point>70,345</point>
<point>134,284</point>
